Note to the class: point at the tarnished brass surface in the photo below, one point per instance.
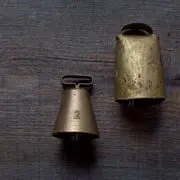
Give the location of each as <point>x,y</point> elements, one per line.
<point>139,72</point>
<point>76,119</point>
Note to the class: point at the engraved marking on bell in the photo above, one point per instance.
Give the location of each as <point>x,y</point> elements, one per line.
<point>76,114</point>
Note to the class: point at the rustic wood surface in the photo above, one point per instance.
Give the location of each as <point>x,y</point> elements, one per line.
<point>41,40</point>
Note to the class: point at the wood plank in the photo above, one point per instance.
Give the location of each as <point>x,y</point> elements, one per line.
<point>42,40</point>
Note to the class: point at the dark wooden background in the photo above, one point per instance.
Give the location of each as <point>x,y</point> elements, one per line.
<point>41,40</point>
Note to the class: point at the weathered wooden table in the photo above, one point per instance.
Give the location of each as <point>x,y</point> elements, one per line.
<point>42,40</point>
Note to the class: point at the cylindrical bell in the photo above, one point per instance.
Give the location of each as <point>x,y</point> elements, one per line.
<point>139,72</point>
<point>76,119</point>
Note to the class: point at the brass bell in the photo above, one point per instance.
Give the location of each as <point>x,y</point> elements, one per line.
<point>76,119</point>
<point>139,72</point>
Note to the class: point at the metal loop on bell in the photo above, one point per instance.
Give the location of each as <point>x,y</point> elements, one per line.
<point>77,80</point>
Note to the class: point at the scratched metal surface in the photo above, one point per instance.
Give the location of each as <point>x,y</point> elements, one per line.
<point>138,71</point>
<point>42,40</point>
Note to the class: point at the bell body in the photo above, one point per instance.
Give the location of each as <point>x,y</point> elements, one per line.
<point>76,117</point>
<point>139,72</point>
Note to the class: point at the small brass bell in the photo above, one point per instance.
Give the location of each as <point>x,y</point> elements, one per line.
<point>76,119</point>
<point>139,72</point>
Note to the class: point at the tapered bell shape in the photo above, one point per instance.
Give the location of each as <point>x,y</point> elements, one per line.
<point>139,71</point>
<point>76,119</point>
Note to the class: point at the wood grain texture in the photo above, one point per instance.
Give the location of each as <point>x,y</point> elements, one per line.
<point>42,40</point>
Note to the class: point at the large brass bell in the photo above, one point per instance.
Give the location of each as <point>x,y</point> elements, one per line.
<point>76,119</point>
<point>139,72</point>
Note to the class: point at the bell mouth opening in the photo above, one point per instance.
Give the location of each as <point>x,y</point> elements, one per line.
<point>137,29</point>
<point>141,101</point>
<point>75,136</point>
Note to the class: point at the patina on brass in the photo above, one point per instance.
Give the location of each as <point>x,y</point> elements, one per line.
<point>139,72</point>
<point>76,119</point>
